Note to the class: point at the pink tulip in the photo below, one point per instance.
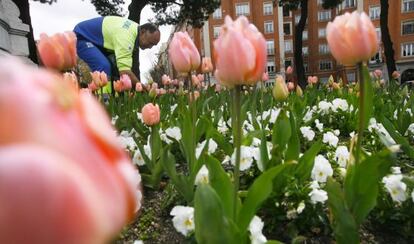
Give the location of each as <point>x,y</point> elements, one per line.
<point>117,86</point>
<point>138,87</point>
<point>352,38</point>
<point>150,114</point>
<point>99,78</point>
<point>291,86</point>
<point>163,91</point>
<point>165,80</point>
<point>200,77</point>
<point>154,85</point>
<point>171,90</point>
<point>240,53</point>
<point>183,53</point>
<point>126,82</point>
<point>377,73</point>
<point>71,78</point>
<point>218,87</point>
<point>395,75</point>
<point>289,70</point>
<point>312,80</point>
<point>64,178</point>
<point>206,65</point>
<point>92,86</point>
<point>175,82</point>
<point>194,80</point>
<point>58,51</point>
<point>265,76</point>
<point>196,95</point>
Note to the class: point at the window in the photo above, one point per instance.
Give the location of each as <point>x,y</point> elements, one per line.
<point>374,12</point>
<point>271,66</point>
<point>349,3</point>
<point>286,12</point>
<point>323,80</point>
<point>322,32</point>
<point>378,30</point>
<point>350,77</point>
<point>297,19</point>
<point>287,30</point>
<point>320,2</point>
<point>288,62</point>
<point>267,8</point>
<point>408,27</point>
<point>407,5</point>
<point>324,15</point>
<point>217,14</point>
<point>268,27</point>
<point>242,9</point>
<point>306,66</point>
<point>407,49</point>
<point>288,46</point>
<point>376,59</point>
<point>305,35</point>
<point>270,46</point>
<point>323,48</point>
<point>305,51</point>
<point>325,65</point>
<point>216,31</point>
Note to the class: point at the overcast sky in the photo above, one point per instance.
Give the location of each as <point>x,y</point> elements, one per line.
<point>65,14</point>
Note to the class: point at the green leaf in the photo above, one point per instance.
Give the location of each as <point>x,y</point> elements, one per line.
<point>274,242</point>
<point>222,184</point>
<point>345,228</point>
<point>281,132</point>
<point>306,162</point>
<point>363,182</point>
<point>293,149</point>
<point>264,154</point>
<point>155,143</point>
<point>211,225</point>
<point>405,145</point>
<point>258,192</point>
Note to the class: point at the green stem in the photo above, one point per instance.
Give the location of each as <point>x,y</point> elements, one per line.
<point>237,134</point>
<point>361,113</point>
<point>193,120</point>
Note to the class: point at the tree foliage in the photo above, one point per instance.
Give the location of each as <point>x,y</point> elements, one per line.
<point>103,7</point>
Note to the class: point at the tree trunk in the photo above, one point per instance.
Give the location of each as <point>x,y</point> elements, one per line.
<point>300,69</point>
<point>135,9</point>
<point>386,39</point>
<point>24,9</point>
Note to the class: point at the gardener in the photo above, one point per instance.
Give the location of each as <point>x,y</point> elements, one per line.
<point>99,37</point>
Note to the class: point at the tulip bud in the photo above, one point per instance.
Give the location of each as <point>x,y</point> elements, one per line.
<point>289,70</point>
<point>138,87</point>
<point>206,65</point>
<point>291,86</point>
<point>280,90</point>
<point>183,53</point>
<point>150,114</point>
<point>153,92</point>
<point>395,75</point>
<point>299,91</point>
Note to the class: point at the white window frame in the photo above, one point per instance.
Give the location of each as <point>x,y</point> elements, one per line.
<point>374,12</point>
<point>405,6</point>
<point>269,66</point>
<point>305,36</point>
<point>239,6</point>
<point>270,43</point>
<point>297,19</point>
<point>268,23</point>
<point>290,28</point>
<point>374,60</point>
<point>218,14</point>
<point>410,49</point>
<point>266,6</point>
<point>402,27</point>
<point>323,48</point>
<point>324,15</point>
<point>351,76</point>
<point>349,4</point>
<point>322,32</point>
<point>305,51</point>
<point>306,67</point>
<point>327,62</point>
<point>290,44</point>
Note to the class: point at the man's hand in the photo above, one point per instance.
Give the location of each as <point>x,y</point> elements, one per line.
<point>131,75</point>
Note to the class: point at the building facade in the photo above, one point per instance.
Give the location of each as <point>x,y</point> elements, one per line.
<point>278,27</point>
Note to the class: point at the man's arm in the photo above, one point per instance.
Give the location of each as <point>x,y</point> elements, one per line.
<point>134,78</point>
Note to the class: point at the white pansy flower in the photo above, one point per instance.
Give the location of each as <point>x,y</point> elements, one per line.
<point>222,127</point>
<point>342,156</point>
<point>330,139</point>
<point>342,172</point>
<point>396,170</point>
<point>318,195</point>
<point>183,219</point>
<point>147,150</point>
<point>395,114</point>
<point>173,107</point>
<point>318,125</point>
<point>352,134</point>
<point>274,113</point>
<point>174,132</point>
<point>408,110</point>
<point>138,242</point>
<point>321,169</point>
<point>255,228</point>
<point>138,159</point>
<point>256,142</point>
<point>291,214</point>
<point>212,147</point>
<point>246,157</point>
<point>324,107</point>
<point>351,108</point>
<point>139,116</point>
<point>412,195</point>
<point>337,132</point>
<point>202,176</point>
<point>127,141</point>
<point>308,116</point>
<point>314,185</point>
<point>300,207</point>
<point>226,160</point>
<point>114,119</point>
<point>339,104</point>
<point>307,133</point>
<point>396,188</point>
<point>410,129</point>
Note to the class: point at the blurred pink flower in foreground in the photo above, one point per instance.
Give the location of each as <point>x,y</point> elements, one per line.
<point>183,53</point>
<point>58,51</point>
<point>240,53</point>
<point>352,38</point>
<point>64,178</point>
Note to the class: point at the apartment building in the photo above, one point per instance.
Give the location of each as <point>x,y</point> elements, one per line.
<point>278,27</point>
